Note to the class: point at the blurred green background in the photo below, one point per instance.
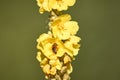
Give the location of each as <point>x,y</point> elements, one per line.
<point>21,24</point>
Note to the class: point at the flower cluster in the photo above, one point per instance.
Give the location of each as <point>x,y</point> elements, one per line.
<point>58,47</point>
<point>48,5</point>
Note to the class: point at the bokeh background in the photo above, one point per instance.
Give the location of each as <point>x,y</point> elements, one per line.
<point>21,24</point>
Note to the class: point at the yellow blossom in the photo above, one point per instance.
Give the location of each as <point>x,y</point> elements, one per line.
<point>45,5</point>
<point>51,47</point>
<point>41,38</point>
<point>62,4</point>
<point>48,5</point>
<point>62,28</point>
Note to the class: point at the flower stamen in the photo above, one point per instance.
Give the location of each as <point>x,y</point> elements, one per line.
<point>54,48</point>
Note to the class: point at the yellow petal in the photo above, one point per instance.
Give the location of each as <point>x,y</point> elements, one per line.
<point>59,65</point>
<point>39,56</point>
<point>72,26</point>
<point>67,59</point>
<point>61,19</point>
<point>74,39</point>
<point>48,51</point>
<point>70,2</point>
<point>53,71</point>
<point>43,37</point>
<point>44,62</point>
<point>70,68</point>
<point>46,69</point>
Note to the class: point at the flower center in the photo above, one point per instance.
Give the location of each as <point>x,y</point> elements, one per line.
<point>54,48</point>
<point>58,0</point>
<point>41,1</point>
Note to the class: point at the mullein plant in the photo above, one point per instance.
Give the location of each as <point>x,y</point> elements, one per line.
<point>58,47</point>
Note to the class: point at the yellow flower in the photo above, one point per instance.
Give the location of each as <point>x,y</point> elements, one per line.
<point>72,44</point>
<point>48,5</point>
<point>41,38</point>
<point>62,28</point>
<point>51,47</point>
<point>62,4</point>
<point>45,5</point>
